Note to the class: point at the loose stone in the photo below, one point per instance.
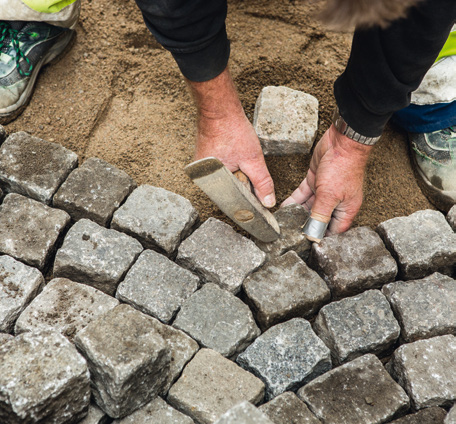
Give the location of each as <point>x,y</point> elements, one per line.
<point>217,319</point>
<point>357,325</point>
<point>285,288</point>
<point>286,357</point>
<point>420,253</point>
<point>29,230</point>
<point>4,338</point>
<point>157,286</point>
<point>286,121</point>
<point>19,284</point>
<point>243,413</point>
<point>219,255</point>
<point>353,262</point>
<point>434,415</point>
<point>425,308</point>
<point>451,417</point>
<point>94,191</point>
<point>210,385</point>
<point>34,167</point>
<point>95,416</point>
<point>451,217</point>
<point>94,255</point>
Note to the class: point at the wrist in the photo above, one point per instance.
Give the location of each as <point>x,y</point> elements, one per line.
<point>348,146</point>
<point>341,125</point>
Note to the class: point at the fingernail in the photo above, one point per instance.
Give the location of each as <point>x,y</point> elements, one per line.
<point>269,201</point>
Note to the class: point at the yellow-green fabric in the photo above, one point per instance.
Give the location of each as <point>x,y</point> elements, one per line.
<point>48,6</point>
<point>449,49</point>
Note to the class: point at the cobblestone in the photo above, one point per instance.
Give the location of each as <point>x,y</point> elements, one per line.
<point>244,413</point>
<point>434,415</point>
<point>95,416</point>
<point>451,217</point>
<point>451,417</point>
<point>4,338</point>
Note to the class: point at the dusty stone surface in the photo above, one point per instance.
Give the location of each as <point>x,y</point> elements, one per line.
<point>42,379</point>
<point>157,286</point>
<point>420,253</point>
<point>95,416</point>
<point>451,417</point>
<point>357,325</point>
<point>64,306</point>
<point>218,320</point>
<point>210,385</point>
<point>285,288</point>
<point>291,219</point>
<point>19,284</point>
<point>34,167</point>
<point>156,412</point>
<point>94,191</point>
<point>29,230</point>
<point>219,255</point>
<point>425,308</point>
<point>423,367</point>
<point>244,413</point>
<point>158,218</point>
<point>128,360</point>
<point>286,357</point>
<point>285,120</point>
<point>353,262</point>
<point>374,397</point>
<point>434,415</point>
<point>4,338</point>
<point>94,255</point>
<point>287,408</point>
<point>451,217</point>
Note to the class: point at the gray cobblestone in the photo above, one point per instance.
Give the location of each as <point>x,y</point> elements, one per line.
<point>244,413</point>
<point>434,415</point>
<point>95,416</point>
<point>451,217</point>
<point>451,417</point>
<point>5,338</point>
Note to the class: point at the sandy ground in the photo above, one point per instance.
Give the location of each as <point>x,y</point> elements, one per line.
<point>119,96</point>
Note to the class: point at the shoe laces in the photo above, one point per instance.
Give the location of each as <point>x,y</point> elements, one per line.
<point>450,130</point>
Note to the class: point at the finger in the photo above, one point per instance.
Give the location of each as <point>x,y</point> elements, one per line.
<point>323,206</point>
<point>262,183</point>
<point>342,220</point>
<point>302,194</point>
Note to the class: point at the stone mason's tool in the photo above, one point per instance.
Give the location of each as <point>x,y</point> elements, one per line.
<point>233,195</point>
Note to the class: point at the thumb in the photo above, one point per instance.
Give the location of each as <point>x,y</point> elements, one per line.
<point>262,182</point>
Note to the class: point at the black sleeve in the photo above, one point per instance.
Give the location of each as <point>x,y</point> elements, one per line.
<point>386,65</point>
<point>193,31</point>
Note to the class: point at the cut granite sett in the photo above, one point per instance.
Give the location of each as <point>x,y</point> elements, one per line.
<point>358,392</point>
<point>5,338</point>
<point>451,416</point>
<point>158,218</point>
<point>210,385</point>
<point>244,413</point>
<point>286,357</point>
<point>426,370</point>
<point>218,254</point>
<point>425,308</point>
<point>157,286</point>
<point>353,262</point>
<point>96,256</point>
<point>95,416</point>
<point>64,306</point>
<point>19,284</point>
<point>33,167</point>
<point>42,379</point>
<point>422,243</point>
<point>94,191</point>
<point>218,320</point>
<point>451,217</point>
<point>285,288</point>
<point>357,325</point>
<point>29,230</point>
<point>434,415</point>
<point>128,360</point>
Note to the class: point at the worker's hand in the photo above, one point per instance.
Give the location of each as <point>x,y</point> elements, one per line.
<point>333,186</point>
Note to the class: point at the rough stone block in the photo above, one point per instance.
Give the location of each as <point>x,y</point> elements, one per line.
<point>29,230</point>
<point>19,284</point>
<point>94,255</point>
<point>94,191</point>
<point>285,120</point>
<point>286,357</point>
<point>219,255</point>
<point>156,412</point>
<point>357,325</point>
<point>42,379</point>
<point>243,413</point>
<point>451,417</point>
<point>157,286</point>
<point>434,415</point>
<point>217,319</point>
<point>358,392</point>
<point>353,262</point>
<point>64,306</point>
<point>4,338</point>
<point>95,416</point>
<point>291,219</point>
<point>158,218</point>
<point>128,360</point>
<point>2,134</point>
<point>285,288</point>
<point>422,243</point>
<point>451,217</point>
<point>425,308</point>
<point>425,369</point>
<point>210,385</point>
<point>34,167</point>
<point>287,408</point>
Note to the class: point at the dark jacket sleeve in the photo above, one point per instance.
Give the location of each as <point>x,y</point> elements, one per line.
<point>193,31</point>
<point>386,65</point>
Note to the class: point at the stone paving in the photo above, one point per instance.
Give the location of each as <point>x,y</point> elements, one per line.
<point>117,305</point>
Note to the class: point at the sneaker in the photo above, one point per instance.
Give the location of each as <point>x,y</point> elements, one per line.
<point>434,160</point>
<point>24,48</point>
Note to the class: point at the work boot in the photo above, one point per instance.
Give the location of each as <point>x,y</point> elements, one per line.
<point>434,160</point>
<point>24,48</point>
